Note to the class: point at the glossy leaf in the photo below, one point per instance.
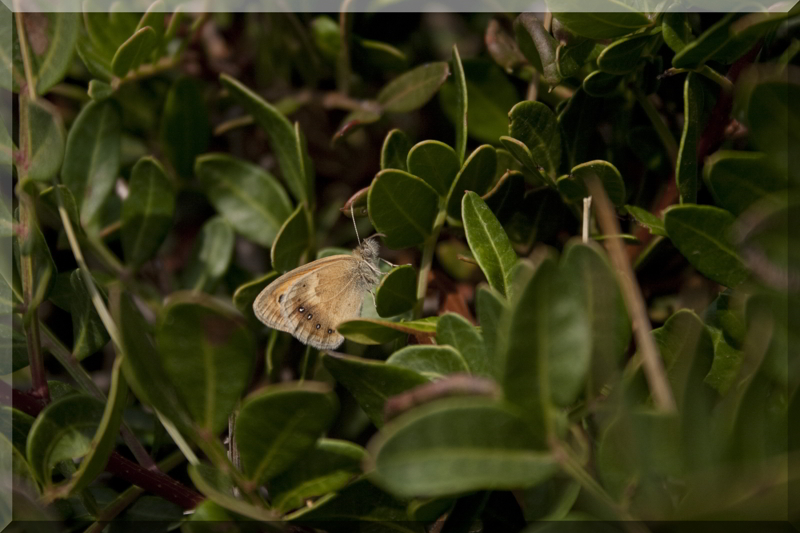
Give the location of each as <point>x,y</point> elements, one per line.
<point>328,467</point>
<point>622,56</point>
<point>134,51</point>
<point>249,197</point>
<point>360,502</point>
<point>217,486</point>
<point>645,218</point>
<point>51,39</point>
<point>430,361</point>
<point>279,425</point>
<point>476,175</point>
<point>488,242</point>
<point>739,179</point>
<point>538,46</point>
<point>607,174</point>
<point>413,89</point>
<point>246,294</point>
<point>88,332</point>
<point>435,163</point>
<point>395,150</point>
<point>686,171</point>
<point>530,168</point>
<point>456,331</point>
<point>491,96</point>
<point>42,139</point>
<point>589,275</point>
<point>292,159</point>
<point>396,293</point>
<point>702,234</point>
<point>617,21</point>
<point>146,212</point>
<point>373,331</point>
<point>456,445</point>
<point>208,354</point>
<point>403,207</point>
<point>292,241</point>
<point>371,382</point>
<point>92,158</point>
<point>462,106</point>
<point>676,31</point>
<point>185,126</point>
<point>211,255</point>
<point>535,125</point>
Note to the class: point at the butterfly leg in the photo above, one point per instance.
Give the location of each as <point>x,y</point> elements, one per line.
<point>373,299</point>
<point>388,263</point>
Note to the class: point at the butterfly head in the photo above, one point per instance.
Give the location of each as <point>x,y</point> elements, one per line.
<point>369,248</point>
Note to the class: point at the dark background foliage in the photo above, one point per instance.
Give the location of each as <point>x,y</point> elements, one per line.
<point>532,357</point>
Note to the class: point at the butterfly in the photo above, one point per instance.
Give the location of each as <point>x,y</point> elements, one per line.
<point>312,300</point>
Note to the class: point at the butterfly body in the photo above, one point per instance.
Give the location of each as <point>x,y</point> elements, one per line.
<point>310,301</point>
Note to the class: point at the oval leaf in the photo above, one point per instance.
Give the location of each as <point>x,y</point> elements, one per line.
<point>488,242</point>
<point>615,21</point>
<point>185,126</point>
<point>372,331</point>
<point>396,293</point>
<point>413,89</point>
<point>476,175</point>
<point>456,331</point>
<point>292,240</point>
<point>42,139</point>
<point>535,125</point>
<point>134,51</point>
<point>211,255</point>
<point>435,163</point>
<point>622,56</point>
<point>430,361</point>
<point>739,179</point>
<point>402,207</point>
<point>394,152</point>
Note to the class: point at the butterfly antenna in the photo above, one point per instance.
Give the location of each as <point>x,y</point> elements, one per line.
<point>355,226</point>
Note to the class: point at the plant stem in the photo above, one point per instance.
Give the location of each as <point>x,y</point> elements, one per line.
<point>68,90</point>
<point>634,301</point>
<point>667,139</point>
<point>85,382</point>
<point>121,502</point>
<point>427,260</point>
<point>31,316</point>
<point>23,46</point>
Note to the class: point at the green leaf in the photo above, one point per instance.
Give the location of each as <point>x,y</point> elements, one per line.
<point>51,39</point>
<point>358,503</point>
<point>44,268</point>
<point>249,197</point>
<point>702,235</point>
<point>506,196</point>
<point>146,212</point>
<point>142,364</point>
<point>185,125</point>
<point>623,55</point>
<point>530,169</point>
<point>647,219</point>
<point>92,158</point>
<point>488,242</point>
<point>292,241</point>
<point>395,150</point>
<point>99,90</point>
<point>208,355</point>
<point>726,365</point>
<point>134,51</point>
<point>476,175</point>
<point>217,486</point>
<point>42,139</point>
<point>371,382</point>
<point>88,332</point>
<point>491,308</point>
<point>373,331</point>
<point>579,120</point>
<point>396,293</point>
<point>435,163</point>
<point>676,31</point>
<point>328,467</point>
<point>414,88</point>
<point>620,19</point>
<point>14,344</point>
<point>246,294</point>
<point>456,331</point>
<point>739,179</point>
<point>535,125</point>
<point>461,106</point>
<point>590,277</point>
<point>106,32</point>
<point>97,62</point>
<point>14,428</point>
<point>490,94</point>
<point>279,425</point>
<point>686,166</point>
<point>403,207</point>
<point>286,145</point>
<point>430,361</point>
<point>457,445</point>
<point>607,174</point>
<point>64,430</point>
<point>154,18</point>
<point>211,255</point>
<point>726,40</point>
<point>571,57</point>
<point>601,84</point>
<point>538,46</point>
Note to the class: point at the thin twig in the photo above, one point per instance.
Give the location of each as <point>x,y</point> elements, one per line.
<point>26,58</point>
<point>427,260</point>
<point>634,301</point>
<point>587,211</point>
